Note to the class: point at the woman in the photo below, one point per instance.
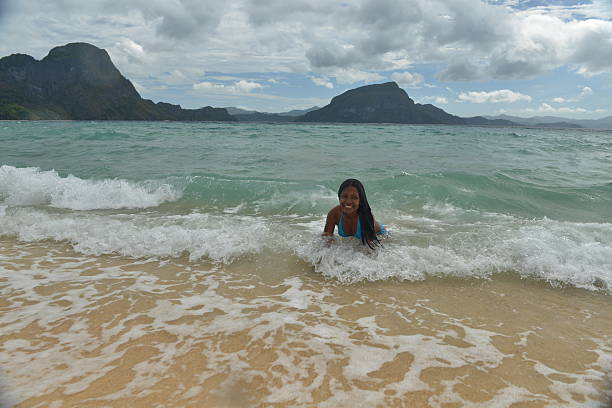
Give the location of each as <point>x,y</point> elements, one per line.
<point>353,215</point>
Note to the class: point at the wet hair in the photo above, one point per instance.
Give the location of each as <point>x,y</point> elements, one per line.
<point>366,219</point>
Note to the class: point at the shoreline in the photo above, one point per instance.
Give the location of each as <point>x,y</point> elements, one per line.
<point>115,331</point>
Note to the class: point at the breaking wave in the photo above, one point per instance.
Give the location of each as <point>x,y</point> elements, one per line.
<point>32,186</point>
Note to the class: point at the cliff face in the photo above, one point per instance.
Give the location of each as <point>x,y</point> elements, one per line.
<point>380,103</point>
<point>79,81</point>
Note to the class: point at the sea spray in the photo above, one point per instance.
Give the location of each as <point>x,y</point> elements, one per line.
<point>566,253</point>
<point>198,235</point>
<point>32,186</point>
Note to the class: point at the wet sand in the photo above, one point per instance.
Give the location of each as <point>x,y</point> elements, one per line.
<point>267,331</point>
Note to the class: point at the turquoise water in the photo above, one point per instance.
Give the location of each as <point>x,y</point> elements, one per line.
<point>458,201</point>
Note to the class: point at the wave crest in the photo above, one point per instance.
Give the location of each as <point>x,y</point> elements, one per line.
<point>217,238</point>
<point>32,186</point>
<point>561,253</point>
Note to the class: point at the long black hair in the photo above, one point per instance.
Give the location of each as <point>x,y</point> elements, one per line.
<point>366,219</point>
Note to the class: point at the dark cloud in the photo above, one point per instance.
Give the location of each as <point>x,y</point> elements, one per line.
<point>327,55</point>
<point>593,52</point>
<point>520,69</point>
<point>385,14</point>
<point>185,20</point>
<point>451,32</point>
<point>461,71</point>
<point>264,12</point>
<point>382,42</point>
<point>191,19</point>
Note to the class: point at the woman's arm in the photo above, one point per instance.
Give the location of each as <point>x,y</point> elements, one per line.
<point>330,223</point>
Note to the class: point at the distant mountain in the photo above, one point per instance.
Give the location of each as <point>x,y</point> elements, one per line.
<point>554,121</point>
<point>379,103</point>
<point>559,125</point>
<point>79,81</point>
<point>238,111</point>
<point>482,121</point>
<point>299,112</point>
<point>602,123</point>
<point>244,115</point>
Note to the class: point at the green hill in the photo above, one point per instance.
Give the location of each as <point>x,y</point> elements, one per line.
<point>79,81</point>
<point>379,103</point>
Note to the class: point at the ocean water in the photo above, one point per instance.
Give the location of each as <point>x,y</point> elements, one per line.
<point>196,247</point>
<point>459,201</point>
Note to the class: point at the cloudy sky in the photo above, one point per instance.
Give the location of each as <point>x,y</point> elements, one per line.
<point>469,57</point>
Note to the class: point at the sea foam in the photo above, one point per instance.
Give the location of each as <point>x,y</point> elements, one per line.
<point>561,253</point>
<point>32,186</point>
<point>218,238</point>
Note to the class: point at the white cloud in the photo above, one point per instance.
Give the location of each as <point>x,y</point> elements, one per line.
<point>277,81</point>
<point>438,100</point>
<point>570,110</point>
<point>596,9</point>
<point>246,86</point>
<point>128,53</point>
<point>241,86</point>
<point>586,91</point>
<point>322,81</point>
<point>503,95</point>
<point>407,78</point>
<point>538,42</point>
<point>179,77</point>
<point>224,77</point>
<point>350,76</point>
<point>208,86</point>
<point>139,87</point>
<point>546,108</point>
<point>131,48</point>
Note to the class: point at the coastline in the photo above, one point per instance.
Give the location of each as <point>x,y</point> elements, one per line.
<point>115,331</point>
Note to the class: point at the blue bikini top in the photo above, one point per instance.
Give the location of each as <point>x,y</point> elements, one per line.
<point>341,231</point>
<point>358,229</point>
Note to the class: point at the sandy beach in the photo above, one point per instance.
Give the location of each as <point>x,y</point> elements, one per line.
<point>113,331</point>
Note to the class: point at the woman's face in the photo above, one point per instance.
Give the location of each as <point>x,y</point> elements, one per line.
<point>349,200</point>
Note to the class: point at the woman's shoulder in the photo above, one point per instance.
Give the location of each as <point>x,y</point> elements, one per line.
<point>334,212</point>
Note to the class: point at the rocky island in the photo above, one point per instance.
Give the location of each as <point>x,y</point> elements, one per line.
<point>379,103</point>
<point>79,81</point>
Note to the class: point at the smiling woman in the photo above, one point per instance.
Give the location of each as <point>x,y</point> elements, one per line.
<point>358,220</point>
